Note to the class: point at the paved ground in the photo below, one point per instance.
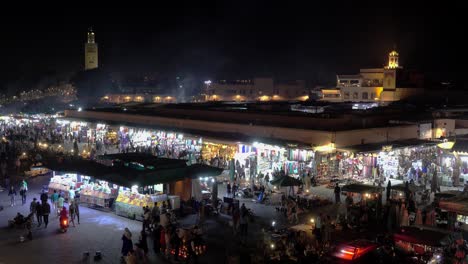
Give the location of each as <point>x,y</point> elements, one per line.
<point>102,231</point>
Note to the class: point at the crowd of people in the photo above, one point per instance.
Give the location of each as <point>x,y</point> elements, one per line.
<point>170,240</point>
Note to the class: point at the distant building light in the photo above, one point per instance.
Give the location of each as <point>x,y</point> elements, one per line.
<point>80,109</point>
<point>208,82</point>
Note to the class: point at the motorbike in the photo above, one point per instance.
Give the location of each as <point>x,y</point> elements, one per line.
<point>63,224</point>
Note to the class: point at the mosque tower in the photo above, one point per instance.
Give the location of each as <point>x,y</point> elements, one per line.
<point>91,52</point>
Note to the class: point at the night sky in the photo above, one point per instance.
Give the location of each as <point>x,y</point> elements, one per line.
<point>212,40</point>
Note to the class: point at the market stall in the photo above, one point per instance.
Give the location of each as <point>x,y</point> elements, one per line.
<point>130,202</point>
<point>218,154</point>
<point>137,180</point>
<point>272,159</point>
<point>457,208</point>
<point>285,182</point>
<point>93,192</point>
<point>398,191</point>
<point>421,240</point>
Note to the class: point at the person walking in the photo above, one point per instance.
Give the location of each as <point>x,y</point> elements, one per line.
<point>54,199</point>
<point>25,185</point>
<point>45,213</point>
<point>71,194</point>
<point>12,194</point>
<point>127,244</point>
<point>389,189</point>
<point>228,188</point>
<point>44,197</point>
<point>39,213</point>
<point>60,202</point>
<point>23,195</point>
<point>337,193</point>
<point>234,190</point>
<point>71,211</point>
<point>33,209</point>
<point>77,210</point>
<point>142,246</point>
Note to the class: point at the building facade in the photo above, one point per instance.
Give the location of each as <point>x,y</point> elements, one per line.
<point>91,52</point>
<point>386,84</point>
<point>256,89</point>
<point>122,98</point>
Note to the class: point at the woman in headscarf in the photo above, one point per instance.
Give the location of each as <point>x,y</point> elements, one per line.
<point>127,244</point>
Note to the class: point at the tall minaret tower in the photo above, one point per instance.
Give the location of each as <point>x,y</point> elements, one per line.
<point>393,60</point>
<point>391,71</point>
<point>91,52</point>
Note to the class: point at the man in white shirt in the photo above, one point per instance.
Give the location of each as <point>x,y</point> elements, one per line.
<point>71,194</point>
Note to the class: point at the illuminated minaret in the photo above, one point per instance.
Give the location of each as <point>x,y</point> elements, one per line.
<point>393,60</point>
<point>390,71</point>
<point>91,52</point>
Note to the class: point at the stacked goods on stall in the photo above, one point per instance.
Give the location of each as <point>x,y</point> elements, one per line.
<point>130,203</point>
<point>98,194</point>
<point>61,184</point>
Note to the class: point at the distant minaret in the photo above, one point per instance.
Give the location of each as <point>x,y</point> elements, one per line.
<point>390,71</point>
<point>393,60</point>
<point>91,52</point>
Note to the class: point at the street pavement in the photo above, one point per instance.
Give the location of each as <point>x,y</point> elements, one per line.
<point>102,231</point>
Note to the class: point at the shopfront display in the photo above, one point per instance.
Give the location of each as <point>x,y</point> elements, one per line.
<point>221,152</point>
<point>270,159</point>
<point>245,162</point>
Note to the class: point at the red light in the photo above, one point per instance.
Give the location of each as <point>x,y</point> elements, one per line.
<point>64,222</point>
<point>347,252</point>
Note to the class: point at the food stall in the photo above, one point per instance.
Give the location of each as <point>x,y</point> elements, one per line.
<point>130,202</point>
<point>137,180</point>
<point>94,192</point>
<point>97,193</point>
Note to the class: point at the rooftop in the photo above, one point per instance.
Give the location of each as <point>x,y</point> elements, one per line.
<point>336,117</point>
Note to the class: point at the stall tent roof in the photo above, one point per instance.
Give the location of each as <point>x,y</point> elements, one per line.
<point>457,204</point>
<point>128,176</point>
<point>428,237</point>
<point>461,145</point>
<point>361,188</point>
<point>412,187</point>
<point>146,160</point>
<point>286,181</point>
<point>373,147</point>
